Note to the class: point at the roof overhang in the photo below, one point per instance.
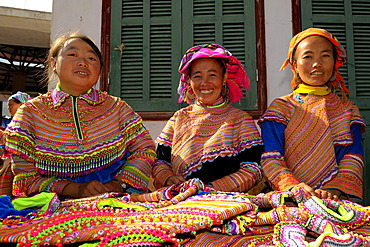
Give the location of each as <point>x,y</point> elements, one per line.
<point>25,27</point>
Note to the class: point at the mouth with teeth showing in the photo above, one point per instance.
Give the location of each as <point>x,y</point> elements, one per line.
<point>206,91</point>
<point>82,73</point>
<point>317,73</point>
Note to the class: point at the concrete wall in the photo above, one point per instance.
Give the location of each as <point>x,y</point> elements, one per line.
<point>77,15</point>
<point>85,16</point>
<point>278,24</point>
<point>24,27</point>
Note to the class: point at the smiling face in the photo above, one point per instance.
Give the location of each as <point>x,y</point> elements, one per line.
<point>206,79</point>
<point>314,60</point>
<point>77,66</point>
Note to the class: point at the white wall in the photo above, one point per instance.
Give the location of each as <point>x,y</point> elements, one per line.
<point>85,16</point>
<point>278,28</point>
<point>77,15</point>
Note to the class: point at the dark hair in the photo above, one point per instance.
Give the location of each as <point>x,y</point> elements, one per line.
<point>16,100</point>
<point>57,46</point>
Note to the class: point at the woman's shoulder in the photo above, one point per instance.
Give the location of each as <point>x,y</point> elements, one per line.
<point>285,99</point>
<point>236,112</point>
<point>183,111</point>
<point>36,101</point>
<point>280,109</point>
<point>283,102</point>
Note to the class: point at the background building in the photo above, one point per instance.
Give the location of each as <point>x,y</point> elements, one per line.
<point>24,42</point>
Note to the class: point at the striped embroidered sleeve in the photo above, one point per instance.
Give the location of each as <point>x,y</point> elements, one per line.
<point>349,176</point>
<point>138,167</point>
<point>161,172</point>
<point>279,176</point>
<point>21,146</point>
<point>272,161</point>
<point>27,181</point>
<point>241,181</point>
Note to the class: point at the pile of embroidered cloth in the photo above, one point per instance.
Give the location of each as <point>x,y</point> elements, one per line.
<point>186,214</point>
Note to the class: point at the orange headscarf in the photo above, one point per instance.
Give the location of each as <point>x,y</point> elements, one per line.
<point>338,82</point>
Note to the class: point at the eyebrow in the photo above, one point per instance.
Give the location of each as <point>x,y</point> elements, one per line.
<point>309,51</point>
<point>75,48</point>
<point>210,70</point>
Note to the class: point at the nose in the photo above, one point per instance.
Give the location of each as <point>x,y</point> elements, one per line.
<point>317,63</point>
<point>204,80</point>
<point>82,62</point>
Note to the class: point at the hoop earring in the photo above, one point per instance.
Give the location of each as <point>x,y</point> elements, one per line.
<point>225,91</point>
<point>334,76</point>
<point>190,93</point>
<point>298,79</point>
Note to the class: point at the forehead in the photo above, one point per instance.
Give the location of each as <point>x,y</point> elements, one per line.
<point>76,43</point>
<point>210,63</point>
<point>315,42</point>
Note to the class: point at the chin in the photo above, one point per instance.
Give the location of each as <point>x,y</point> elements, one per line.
<point>316,84</point>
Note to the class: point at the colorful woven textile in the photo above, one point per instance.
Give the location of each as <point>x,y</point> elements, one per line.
<point>20,96</point>
<point>315,127</point>
<point>199,134</point>
<point>237,77</point>
<point>56,137</point>
<point>338,83</point>
<point>200,218</point>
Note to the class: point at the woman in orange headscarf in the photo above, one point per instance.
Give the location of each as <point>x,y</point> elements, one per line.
<point>313,137</point>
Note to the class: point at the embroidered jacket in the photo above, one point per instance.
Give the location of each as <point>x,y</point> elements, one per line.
<point>314,139</point>
<point>57,137</point>
<point>220,145</point>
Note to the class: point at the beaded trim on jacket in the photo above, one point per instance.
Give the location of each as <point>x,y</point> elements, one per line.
<point>48,138</point>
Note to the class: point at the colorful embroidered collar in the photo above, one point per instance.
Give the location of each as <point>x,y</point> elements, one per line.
<point>92,96</point>
<point>217,103</point>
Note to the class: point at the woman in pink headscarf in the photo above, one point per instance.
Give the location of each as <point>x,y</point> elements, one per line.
<point>312,136</point>
<point>210,139</point>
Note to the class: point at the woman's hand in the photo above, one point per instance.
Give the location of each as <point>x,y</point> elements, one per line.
<point>322,194</point>
<point>79,190</point>
<point>174,180</point>
<point>114,186</point>
<point>336,193</point>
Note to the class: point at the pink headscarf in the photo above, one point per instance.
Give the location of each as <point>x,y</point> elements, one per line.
<point>237,76</point>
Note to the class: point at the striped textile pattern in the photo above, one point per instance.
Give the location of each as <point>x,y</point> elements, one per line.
<point>192,216</point>
<point>198,134</point>
<point>314,126</point>
<point>44,135</point>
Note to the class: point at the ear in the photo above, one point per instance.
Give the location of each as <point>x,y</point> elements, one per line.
<point>187,79</point>
<point>225,76</point>
<point>53,64</point>
<point>294,66</point>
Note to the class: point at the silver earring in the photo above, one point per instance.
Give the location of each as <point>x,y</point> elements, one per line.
<point>334,76</point>
<point>225,91</point>
<point>298,78</point>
